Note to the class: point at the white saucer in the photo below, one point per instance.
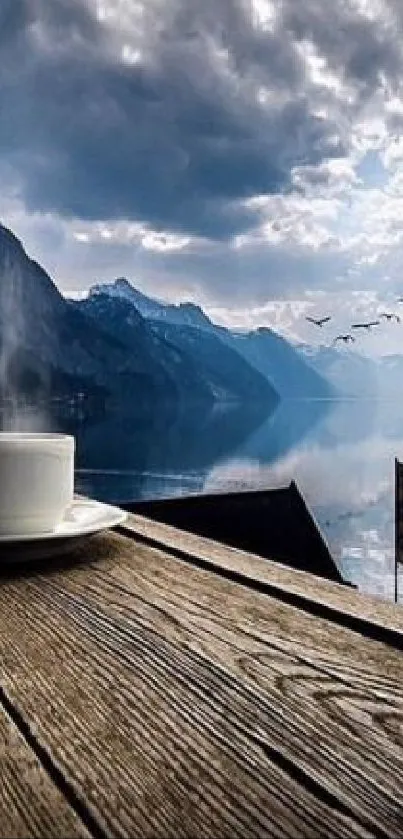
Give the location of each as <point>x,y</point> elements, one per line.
<point>84,518</point>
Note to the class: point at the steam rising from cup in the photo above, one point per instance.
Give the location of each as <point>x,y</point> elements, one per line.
<point>19,410</point>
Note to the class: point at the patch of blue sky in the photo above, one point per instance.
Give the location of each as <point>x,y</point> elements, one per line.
<point>371,171</point>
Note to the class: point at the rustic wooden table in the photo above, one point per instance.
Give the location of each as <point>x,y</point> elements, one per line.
<point>156,684</point>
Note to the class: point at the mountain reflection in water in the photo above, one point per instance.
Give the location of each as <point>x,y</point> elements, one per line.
<point>341,454</point>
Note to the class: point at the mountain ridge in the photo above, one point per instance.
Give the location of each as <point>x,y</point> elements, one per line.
<point>47,341</point>
<point>218,369</point>
<point>182,313</point>
<point>272,356</point>
<point>354,374</point>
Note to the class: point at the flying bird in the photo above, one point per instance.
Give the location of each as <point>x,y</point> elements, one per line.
<point>366,325</point>
<point>390,316</point>
<point>319,321</point>
<point>345,338</point>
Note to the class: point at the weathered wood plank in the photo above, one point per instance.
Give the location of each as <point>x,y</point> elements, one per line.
<point>179,703</point>
<point>222,557</point>
<point>188,606</point>
<point>272,645</point>
<point>147,741</point>
<point>30,803</point>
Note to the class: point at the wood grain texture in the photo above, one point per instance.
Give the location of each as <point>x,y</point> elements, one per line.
<point>215,554</point>
<point>178,703</point>
<point>30,803</point>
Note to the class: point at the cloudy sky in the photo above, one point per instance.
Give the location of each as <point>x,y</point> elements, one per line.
<point>244,154</point>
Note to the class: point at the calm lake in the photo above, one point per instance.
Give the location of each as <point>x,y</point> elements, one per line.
<point>341,454</point>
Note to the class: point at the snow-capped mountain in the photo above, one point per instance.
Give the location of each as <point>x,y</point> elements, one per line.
<point>53,346</point>
<point>183,314</point>
<point>187,326</point>
<point>199,360</point>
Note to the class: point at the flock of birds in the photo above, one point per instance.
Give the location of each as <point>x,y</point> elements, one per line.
<point>349,337</point>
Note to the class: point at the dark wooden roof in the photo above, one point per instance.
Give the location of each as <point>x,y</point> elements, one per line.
<point>274,523</point>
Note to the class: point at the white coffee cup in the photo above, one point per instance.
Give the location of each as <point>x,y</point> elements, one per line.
<point>36,481</point>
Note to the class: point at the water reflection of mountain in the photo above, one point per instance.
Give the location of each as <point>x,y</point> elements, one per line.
<point>123,454</point>
<point>285,428</point>
<point>349,420</point>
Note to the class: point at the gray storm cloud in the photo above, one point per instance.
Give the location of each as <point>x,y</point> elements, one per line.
<point>214,109</point>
